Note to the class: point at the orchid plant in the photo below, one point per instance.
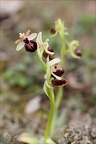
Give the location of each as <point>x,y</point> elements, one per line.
<point>53,72</point>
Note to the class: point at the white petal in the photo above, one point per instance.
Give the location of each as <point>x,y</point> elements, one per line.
<point>27,33</point>
<point>20,46</point>
<point>57,77</point>
<point>39,38</point>
<point>32,36</point>
<point>54,61</point>
<point>18,41</point>
<point>47,51</point>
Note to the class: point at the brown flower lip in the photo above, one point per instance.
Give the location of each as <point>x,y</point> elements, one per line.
<point>30,46</point>
<point>61,82</point>
<point>78,52</point>
<point>53,31</point>
<point>45,55</point>
<point>58,70</point>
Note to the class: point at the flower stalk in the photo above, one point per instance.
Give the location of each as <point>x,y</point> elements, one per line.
<point>41,60</point>
<point>72,48</point>
<point>51,115</point>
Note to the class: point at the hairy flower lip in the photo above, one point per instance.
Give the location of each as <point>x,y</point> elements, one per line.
<point>59,73</point>
<point>57,70</point>
<point>45,55</point>
<point>31,46</point>
<point>58,83</point>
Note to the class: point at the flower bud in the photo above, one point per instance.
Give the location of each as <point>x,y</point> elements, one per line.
<point>53,31</point>
<point>78,52</point>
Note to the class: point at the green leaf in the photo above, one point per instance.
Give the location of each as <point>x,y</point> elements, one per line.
<point>62,118</point>
<point>28,138</point>
<point>49,141</point>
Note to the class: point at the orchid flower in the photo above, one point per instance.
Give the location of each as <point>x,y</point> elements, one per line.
<point>26,41</point>
<point>44,47</point>
<point>76,53</point>
<point>54,74</point>
<point>59,29</point>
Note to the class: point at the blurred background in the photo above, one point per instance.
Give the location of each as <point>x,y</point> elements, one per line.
<point>24,106</point>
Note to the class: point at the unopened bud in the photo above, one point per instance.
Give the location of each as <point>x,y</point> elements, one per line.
<point>78,53</point>
<point>53,31</point>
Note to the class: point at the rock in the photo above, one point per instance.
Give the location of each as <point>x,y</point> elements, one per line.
<point>10,7</point>
<point>33,105</point>
<point>9,13</point>
<point>76,134</point>
<point>80,80</point>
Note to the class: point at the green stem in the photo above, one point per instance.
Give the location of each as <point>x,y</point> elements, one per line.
<point>63,51</point>
<point>51,115</point>
<point>59,97</point>
<point>50,94</point>
<point>57,104</point>
<point>42,62</point>
<point>60,90</point>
